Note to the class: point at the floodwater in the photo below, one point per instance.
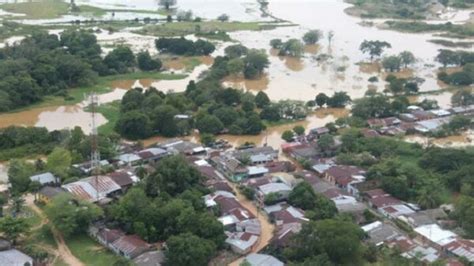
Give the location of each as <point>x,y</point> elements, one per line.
<point>304,78</point>
<point>458,141</point>
<point>60,117</point>
<point>272,136</point>
<point>3,172</point>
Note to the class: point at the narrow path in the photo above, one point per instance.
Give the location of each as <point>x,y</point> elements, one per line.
<point>62,250</point>
<point>267,227</point>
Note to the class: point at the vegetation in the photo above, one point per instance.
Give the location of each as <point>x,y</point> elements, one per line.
<point>90,252</point>
<point>338,100</point>
<point>316,206</point>
<point>451,30</point>
<point>374,48</point>
<point>399,9</point>
<point>72,216</point>
<point>181,46</point>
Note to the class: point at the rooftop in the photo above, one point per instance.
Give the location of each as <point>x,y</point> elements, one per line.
<point>263,260</point>
<point>44,178</point>
<point>274,188</point>
<point>436,234</point>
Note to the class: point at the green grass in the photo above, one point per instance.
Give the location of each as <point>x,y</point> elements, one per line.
<point>43,236</point>
<point>59,262</point>
<point>45,9</point>
<point>90,252</point>
<point>77,95</point>
<point>185,28</point>
<point>111,112</point>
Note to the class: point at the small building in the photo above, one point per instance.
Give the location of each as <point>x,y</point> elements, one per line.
<point>318,132</point>
<point>255,259</point>
<point>14,257</point>
<point>47,193</point>
<point>241,242</point>
<point>395,211</point>
<point>280,189</point>
<point>124,179</point>
<point>150,258</point>
<point>257,155</point>
<point>130,159</point>
<point>379,232</point>
<point>284,234</point>
<point>44,179</point>
<point>86,167</point>
<point>461,248</point>
<point>343,175</point>
<point>426,255</point>
<point>256,171</point>
<point>230,167</point>
<point>304,152</point>
<point>178,146</point>
<point>435,235</point>
<point>93,189</point>
<point>288,215</point>
<point>130,246</point>
<point>152,155</point>
<point>280,167</point>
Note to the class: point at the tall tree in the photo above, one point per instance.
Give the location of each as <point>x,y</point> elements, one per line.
<point>374,48</point>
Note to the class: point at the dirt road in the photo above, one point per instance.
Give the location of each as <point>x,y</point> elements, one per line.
<point>62,250</point>
<point>267,227</point>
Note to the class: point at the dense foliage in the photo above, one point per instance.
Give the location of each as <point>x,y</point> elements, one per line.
<point>182,46</point>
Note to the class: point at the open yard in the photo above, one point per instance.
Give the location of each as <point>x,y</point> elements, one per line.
<point>90,252</point>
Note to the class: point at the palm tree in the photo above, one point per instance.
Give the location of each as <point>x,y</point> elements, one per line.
<point>17,203</point>
<point>427,199</point>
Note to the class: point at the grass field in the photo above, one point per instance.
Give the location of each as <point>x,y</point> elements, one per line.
<point>90,252</point>
<point>185,28</point>
<point>111,112</point>
<point>77,95</point>
<point>45,9</point>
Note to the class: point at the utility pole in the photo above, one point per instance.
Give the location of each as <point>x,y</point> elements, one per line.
<point>95,154</point>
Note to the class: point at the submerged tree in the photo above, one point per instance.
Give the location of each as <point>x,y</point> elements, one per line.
<point>374,48</point>
<point>167,4</point>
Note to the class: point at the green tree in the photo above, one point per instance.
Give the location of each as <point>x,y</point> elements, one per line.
<point>326,142</point>
<point>189,249</point>
<point>339,99</point>
<point>276,43</point>
<point>133,125</point>
<point>303,196</point>
<point>146,63</point>
<point>19,173</point>
<point>72,216</point>
<point>465,214</point>
<point>392,63</point>
<point>209,124</point>
<point>235,51</point>
<point>299,130</point>
<point>292,47</point>
<point>235,66</point>
<point>374,48</point>
<point>59,161</point>
<point>448,57</point>
<point>13,228</point>
<point>287,135</point>
<point>312,37</point>
<point>207,139</point>
<point>262,100</point>
<point>255,63</point>
<point>407,58</point>
<point>321,99</point>
<point>372,107</point>
<point>167,4</point>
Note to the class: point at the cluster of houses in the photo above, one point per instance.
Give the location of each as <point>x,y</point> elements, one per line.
<point>416,120</point>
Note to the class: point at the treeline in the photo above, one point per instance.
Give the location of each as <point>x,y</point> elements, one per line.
<point>63,147</point>
<point>456,59</point>
<point>168,206</point>
<point>182,46</point>
<point>47,64</point>
<point>206,105</point>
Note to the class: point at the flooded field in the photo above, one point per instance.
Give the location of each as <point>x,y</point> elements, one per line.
<point>458,141</point>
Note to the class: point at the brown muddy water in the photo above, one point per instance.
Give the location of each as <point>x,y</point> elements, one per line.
<point>459,141</point>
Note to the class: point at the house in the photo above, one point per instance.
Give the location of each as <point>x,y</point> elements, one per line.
<point>321,168</point>
<point>304,152</point>
<point>230,167</point>
<point>130,246</point>
<point>178,146</point>
<point>379,199</point>
<point>259,181</point>
<point>421,115</point>
<point>130,159</point>
<point>47,193</point>
<point>284,234</point>
<point>256,171</point>
<point>318,132</point>
<point>356,189</point>
<point>440,112</point>
<point>150,258</point>
<point>87,167</point>
<point>462,109</point>
<point>394,211</point>
<point>403,243</point>
<point>219,185</point>
<point>14,257</point>
<point>44,179</point>
<point>370,133</point>
<point>241,242</point>
<point>424,217</point>
<point>105,236</point>
<point>281,191</point>
<point>379,232</point>
<point>435,235</point>
<point>426,255</point>
<point>280,167</point>
<point>93,189</point>
<point>255,259</point>
<point>152,155</point>
<point>288,215</point>
<point>256,155</point>
<point>431,125</point>
<point>343,175</point>
<point>124,179</point>
<point>288,179</point>
<point>461,248</point>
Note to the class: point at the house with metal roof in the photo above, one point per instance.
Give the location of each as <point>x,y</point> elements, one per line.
<point>255,259</point>
<point>241,242</point>
<point>44,179</point>
<point>92,189</point>
<point>282,191</point>
<point>14,257</point>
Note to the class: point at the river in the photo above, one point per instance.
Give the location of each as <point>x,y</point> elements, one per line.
<point>286,78</point>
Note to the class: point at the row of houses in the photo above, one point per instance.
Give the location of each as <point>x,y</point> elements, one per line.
<point>131,247</point>
<point>241,226</point>
<point>417,120</point>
